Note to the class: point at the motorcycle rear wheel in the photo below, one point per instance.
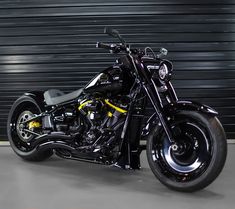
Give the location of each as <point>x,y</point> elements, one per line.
<point>22,109</point>
<point>197,157</point>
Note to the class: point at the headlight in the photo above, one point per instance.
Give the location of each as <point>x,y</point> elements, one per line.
<point>163,72</point>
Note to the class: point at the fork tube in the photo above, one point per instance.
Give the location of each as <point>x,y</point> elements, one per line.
<point>171,92</point>
<point>152,94</point>
<point>157,105</point>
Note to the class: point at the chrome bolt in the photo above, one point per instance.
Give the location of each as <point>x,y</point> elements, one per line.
<point>174,147</point>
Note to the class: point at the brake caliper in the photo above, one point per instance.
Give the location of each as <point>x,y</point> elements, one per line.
<point>34,124</point>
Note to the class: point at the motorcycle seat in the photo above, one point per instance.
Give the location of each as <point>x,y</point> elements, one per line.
<point>55,96</point>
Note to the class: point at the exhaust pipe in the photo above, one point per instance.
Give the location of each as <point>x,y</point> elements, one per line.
<point>54,145</point>
<point>50,138</point>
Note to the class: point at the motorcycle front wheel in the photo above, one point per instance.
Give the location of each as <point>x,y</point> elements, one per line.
<point>197,156</point>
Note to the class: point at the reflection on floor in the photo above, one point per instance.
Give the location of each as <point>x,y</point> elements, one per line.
<point>64,184</point>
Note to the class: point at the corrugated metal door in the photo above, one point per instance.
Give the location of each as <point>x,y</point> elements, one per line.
<point>51,44</point>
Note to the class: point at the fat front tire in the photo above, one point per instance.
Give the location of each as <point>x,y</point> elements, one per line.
<point>24,108</point>
<point>195,159</point>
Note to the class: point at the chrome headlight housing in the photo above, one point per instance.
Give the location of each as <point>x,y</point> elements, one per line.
<point>165,70</point>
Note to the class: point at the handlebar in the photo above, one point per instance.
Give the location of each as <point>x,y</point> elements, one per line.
<point>115,48</point>
<point>104,46</point>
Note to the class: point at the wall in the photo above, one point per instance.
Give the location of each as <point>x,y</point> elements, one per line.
<point>51,44</point>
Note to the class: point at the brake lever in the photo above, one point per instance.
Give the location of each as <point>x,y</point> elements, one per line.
<point>115,49</point>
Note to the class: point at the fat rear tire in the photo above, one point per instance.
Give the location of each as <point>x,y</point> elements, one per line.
<point>218,147</point>
<point>24,103</point>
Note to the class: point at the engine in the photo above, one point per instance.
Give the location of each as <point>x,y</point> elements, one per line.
<point>91,122</point>
<point>94,110</point>
<point>101,115</point>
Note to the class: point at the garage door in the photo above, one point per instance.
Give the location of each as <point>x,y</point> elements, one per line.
<point>51,44</point>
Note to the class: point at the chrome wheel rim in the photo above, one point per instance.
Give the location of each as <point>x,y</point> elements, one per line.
<point>20,126</point>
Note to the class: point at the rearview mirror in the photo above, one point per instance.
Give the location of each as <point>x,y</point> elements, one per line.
<point>114,33</point>
<point>111,32</point>
<point>163,51</point>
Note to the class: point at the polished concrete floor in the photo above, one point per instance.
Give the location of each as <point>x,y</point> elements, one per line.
<point>63,184</point>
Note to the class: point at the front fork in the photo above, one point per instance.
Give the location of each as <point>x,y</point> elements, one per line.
<point>155,99</point>
<point>131,133</point>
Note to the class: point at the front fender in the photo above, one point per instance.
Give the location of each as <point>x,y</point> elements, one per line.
<point>172,109</point>
<point>188,106</point>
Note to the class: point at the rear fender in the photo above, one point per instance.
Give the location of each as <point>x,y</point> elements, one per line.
<point>38,96</point>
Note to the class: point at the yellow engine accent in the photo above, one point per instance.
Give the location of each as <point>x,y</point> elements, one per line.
<point>34,124</point>
<point>84,104</point>
<point>110,114</point>
<point>115,107</point>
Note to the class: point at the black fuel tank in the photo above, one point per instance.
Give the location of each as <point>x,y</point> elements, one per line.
<point>112,80</point>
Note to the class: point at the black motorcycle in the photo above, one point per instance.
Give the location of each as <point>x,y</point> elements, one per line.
<point>104,122</point>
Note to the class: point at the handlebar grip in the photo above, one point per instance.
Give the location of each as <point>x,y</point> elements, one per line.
<point>103,45</point>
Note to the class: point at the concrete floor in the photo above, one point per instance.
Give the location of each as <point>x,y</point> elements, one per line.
<point>64,184</point>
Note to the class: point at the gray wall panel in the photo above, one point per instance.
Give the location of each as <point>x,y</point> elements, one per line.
<point>51,44</point>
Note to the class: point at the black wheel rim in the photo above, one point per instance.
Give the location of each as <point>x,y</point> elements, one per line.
<point>193,154</point>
